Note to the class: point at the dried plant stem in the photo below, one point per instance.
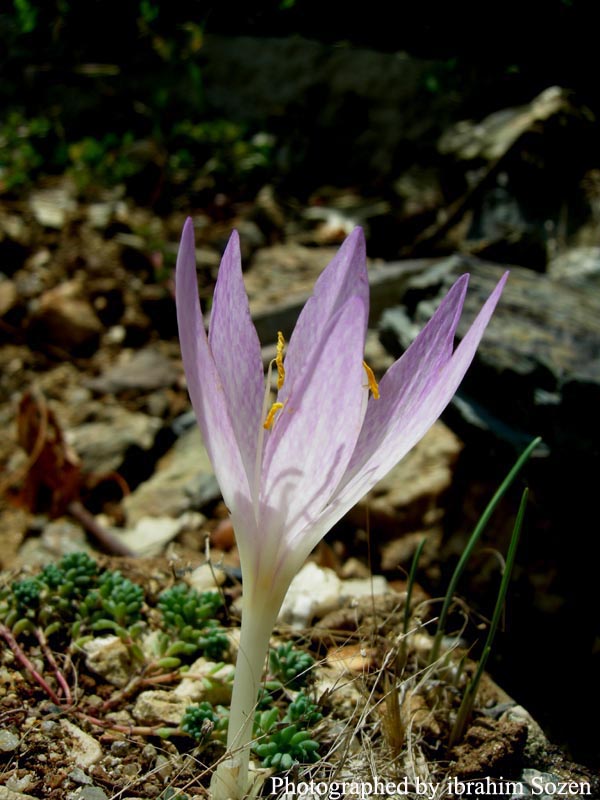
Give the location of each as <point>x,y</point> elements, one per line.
<point>139,683</point>
<point>105,538</point>
<point>60,678</point>
<point>28,665</point>
<point>131,730</point>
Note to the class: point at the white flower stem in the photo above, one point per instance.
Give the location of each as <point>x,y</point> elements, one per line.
<point>258,619</point>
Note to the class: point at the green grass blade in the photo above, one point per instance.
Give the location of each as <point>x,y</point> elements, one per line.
<point>475,536</point>
<point>466,705</point>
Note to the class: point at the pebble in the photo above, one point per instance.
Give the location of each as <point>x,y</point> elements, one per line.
<point>184,480</point>
<point>85,750</point>
<point>150,534</point>
<point>103,443</point>
<point>120,747</point>
<point>9,741</point>
<point>19,784</point>
<point>109,657</point>
<point>207,578</point>
<point>77,775</point>
<point>7,794</point>
<point>159,706</point>
<point>63,317</point>
<point>93,793</point>
<point>207,681</point>
<point>316,591</point>
<point>143,371</point>
<point>313,592</point>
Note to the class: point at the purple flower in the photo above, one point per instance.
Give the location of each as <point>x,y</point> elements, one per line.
<point>290,470</point>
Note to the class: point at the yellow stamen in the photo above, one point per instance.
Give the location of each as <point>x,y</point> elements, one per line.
<point>268,423</point>
<point>373,385</point>
<point>279,360</point>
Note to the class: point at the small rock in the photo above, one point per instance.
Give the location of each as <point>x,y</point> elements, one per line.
<point>149,753</point>
<point>77,775</point>
<point>59,537</point>
<point>102,445</point>
<point>354,658</point>
<point>184,480</point>
<point>399,552</point>
<point>9,741</point>
<point>159,706</point>
<point>62,317</point>
<point>85,750</point>
<point>223,536</point>
<point>207,680</point>
<point>313,592</point>
<point>151,534</point>
<point>415,486</point>
<point>7,794</point>
<point>109,657</point>
<point>491,137</point>
<point>142,371</point>
<point>578,266</point>
<point>206,578</point>
<point>354,568</point>
<point>8,296</point>
<point>52,207</point>
<point>50,727</point>
<point>363,587</point>
<point>16,784</point>
<point>416,709</point>
<point>164,767</point>
<point>347,696</point>
<point>92,793</point>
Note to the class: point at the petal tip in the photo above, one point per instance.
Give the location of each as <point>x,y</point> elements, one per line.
<point>231,260</point>
<point>188,227</point>
<point>186,257</point>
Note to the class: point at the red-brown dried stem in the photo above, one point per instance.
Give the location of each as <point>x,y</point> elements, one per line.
<point>26,663</point>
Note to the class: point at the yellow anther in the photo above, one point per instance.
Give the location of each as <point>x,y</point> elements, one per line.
<point>268,423</point>
<point>373,385</point>
<point>279,360</point>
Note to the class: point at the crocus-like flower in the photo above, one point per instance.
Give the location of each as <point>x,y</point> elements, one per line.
<point>289,470</point>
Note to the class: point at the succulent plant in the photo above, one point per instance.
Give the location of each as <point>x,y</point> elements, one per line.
<point>199,721</point>
<point>303,709</point>
<point>280,747</point>
<point>116,599</point>
<point>289,665</point>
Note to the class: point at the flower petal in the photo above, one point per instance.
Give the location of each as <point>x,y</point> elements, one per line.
<point>235,348</point>
<point>313,438</point>
<point>204,382</point>
<point>344,277</point>
<point>409,406</point>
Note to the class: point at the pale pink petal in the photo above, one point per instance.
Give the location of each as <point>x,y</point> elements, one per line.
<point>411,377</point>
<point>235,348</point>
<point>402,416</point>
<point>204,382</point>
<point>344,277</point>
<point>313,438</point>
